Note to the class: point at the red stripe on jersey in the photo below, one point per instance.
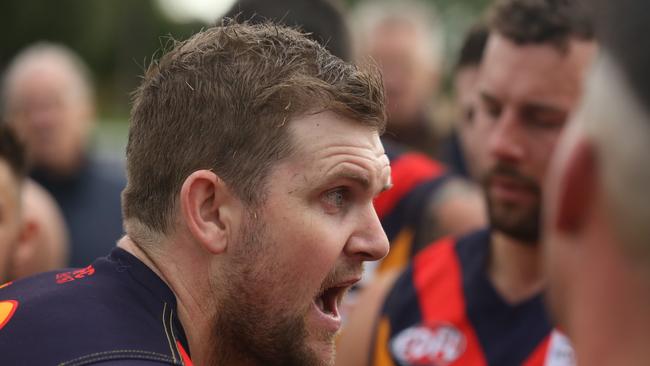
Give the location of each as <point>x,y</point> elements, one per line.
<point>438,281</point>
<point>407,171</point>
<point>184,356</point>
<point>538,357</point>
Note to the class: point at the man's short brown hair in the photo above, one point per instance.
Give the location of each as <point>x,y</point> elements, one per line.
<point>222,100</point>
<point>542,21</point>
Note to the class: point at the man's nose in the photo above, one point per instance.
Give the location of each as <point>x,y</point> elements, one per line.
<point>505,139</point>
<point>369,241</point>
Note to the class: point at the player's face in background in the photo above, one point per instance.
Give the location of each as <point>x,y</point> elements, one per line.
<point>51,113</point>
<point>312,234</point>
<point>409,75</point>
<point>10,218</point>
<point>526,93</point>
<point>471,134</point>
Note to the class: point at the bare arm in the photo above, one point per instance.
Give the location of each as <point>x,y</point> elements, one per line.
<point>456,208</point>
<point>459,207</point>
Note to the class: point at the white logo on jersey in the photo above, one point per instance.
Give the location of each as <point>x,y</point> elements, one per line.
<point>560,352</point>
<point>420,345</point>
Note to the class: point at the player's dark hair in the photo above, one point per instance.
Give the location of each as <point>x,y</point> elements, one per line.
<point>543,21</point>
<point>471,51</point>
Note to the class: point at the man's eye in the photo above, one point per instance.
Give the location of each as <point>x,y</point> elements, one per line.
<point>493,111</point>
<point>491,108</point>
<point>336,197</point>
<point>546,121</point>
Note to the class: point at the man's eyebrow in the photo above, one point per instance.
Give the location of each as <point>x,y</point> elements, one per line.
<point>541,107</point>
<point>353,175</point>
<point>529,107</point>
<point>358,175</point>
<point>487,97</point>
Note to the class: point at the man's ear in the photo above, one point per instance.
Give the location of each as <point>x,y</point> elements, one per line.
<point>577,188</point>
<point>207,209</point>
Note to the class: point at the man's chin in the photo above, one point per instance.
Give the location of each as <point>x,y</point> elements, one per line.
<point>323,351</point>
<point>319,343</point>
<point>521,224</point>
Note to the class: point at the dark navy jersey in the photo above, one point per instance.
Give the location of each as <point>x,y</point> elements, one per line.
<point>90,203</point>
<point>402,210</point>
<point>443,310</point>
<point>114,311</point>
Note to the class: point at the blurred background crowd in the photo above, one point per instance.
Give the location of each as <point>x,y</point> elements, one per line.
<point>117,39</point>
<point>69,68</point>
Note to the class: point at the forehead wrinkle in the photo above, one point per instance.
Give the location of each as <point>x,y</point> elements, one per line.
<point>373,155</point>
<point>367,172</point>
<point>344,171</point>
<point>536,77</point>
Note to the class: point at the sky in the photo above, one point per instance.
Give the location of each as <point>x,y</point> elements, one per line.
<point>203,10</point>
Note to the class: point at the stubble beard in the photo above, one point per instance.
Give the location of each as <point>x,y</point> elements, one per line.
<point>515,221</point>
<point>249,328</point>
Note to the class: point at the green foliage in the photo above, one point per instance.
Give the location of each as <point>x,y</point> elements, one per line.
<point>116,38</point>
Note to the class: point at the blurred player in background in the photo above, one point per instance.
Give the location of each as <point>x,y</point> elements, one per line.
<point>464,150</point>
<point>478,299</point>
<point>597,243</point>
<point>406,40</point>
<point>48,99</point>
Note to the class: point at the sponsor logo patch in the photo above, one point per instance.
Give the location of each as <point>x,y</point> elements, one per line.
<point>560,352</point>
<point>7,310</point>
<point>74,275</point>
<point>428,345</point>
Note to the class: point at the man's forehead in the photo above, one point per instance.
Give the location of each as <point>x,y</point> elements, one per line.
<point>324,142</point>
<point>574,55</point>
<point>328,128</point>
<point>541,71</point>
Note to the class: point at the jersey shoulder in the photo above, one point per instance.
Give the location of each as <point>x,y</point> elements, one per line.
<point>96,313</point>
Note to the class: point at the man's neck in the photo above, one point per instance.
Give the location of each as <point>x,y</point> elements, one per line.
<point>514,268</point>
<point>194,311</point>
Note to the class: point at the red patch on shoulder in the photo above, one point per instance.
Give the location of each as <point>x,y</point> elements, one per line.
<point>7,310</point>
<point>6,284</point>
<point>75,275</point>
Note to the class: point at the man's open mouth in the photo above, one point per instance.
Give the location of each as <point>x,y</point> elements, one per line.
<point>329,300</point>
